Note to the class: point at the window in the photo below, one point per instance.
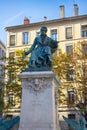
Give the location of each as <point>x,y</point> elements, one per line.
<point>69,49</point>
<point>11,56</point>
<point>25,37</point>
<point>84,48</point>
<point>12,77</point>
<point>70,73</point>
<point>2,72</point>
<point>84,70</point>
<point>2,53</point>
<point>69,33</point>
<point>54,34</point>
<point>37,33</point>
<point>71,96</point>
<point>84,30</point>
<point>12,40</point>
<point>11,100</point>
<point>11,73</point>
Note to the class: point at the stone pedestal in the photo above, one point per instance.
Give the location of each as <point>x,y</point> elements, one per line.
<point>38,111</point>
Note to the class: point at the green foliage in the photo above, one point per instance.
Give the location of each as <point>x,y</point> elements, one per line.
<point>72,64</point>
<point>14,66</point>
<point>60,63</point>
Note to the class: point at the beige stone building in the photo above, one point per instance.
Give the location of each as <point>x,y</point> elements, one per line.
<point>2,72</point>
<point>67,30</point>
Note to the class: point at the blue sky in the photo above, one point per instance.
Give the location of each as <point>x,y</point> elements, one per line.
<point>13,11</point>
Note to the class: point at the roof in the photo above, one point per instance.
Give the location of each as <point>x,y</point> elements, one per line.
<point>47,22</point>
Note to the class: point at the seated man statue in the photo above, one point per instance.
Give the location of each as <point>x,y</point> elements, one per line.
<point>41,50</point>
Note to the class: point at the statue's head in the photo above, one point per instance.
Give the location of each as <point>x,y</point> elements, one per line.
<point>43,30</point>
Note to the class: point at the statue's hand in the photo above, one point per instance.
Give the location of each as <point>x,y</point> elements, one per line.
<point>26,53</point>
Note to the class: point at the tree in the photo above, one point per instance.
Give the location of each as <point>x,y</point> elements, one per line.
<point>72,72</point>
<point>14,66</point>
<point>60,66</point>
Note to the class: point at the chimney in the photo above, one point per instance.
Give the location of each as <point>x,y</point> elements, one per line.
<point>26,20</point>
<point>75,10</point>
<point>62,11</point>
<point>45,18</point>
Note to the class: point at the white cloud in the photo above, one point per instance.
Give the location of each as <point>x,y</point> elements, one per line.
<point>13,17</point>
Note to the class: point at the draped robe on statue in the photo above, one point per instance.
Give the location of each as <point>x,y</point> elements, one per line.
<point>42,50</point>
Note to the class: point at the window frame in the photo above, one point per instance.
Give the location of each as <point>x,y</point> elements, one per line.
<point>11,99</point>
<point>84,70</point>
<point>12,39</point>
<point>68,51</point>
<point>70,76</point>
<point>84,30</point>
<point>11,56</point>
<point>37,33</point>
<point>84,48</point>
<point>71,96</point>
<point>67,32</point>
<point>54,34</point>
<point>25,38</point>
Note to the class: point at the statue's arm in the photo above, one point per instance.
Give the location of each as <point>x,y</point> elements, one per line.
<point>31,48</point>
<point>54,45</point>
<point>55,42</point>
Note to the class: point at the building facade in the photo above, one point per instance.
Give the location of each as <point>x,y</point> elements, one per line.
<point>2,73</point>
<point>67,30</point>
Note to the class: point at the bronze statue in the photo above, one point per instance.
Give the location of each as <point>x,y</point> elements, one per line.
<point>42,50</point>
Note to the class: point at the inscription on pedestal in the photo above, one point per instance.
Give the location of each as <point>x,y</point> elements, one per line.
<point>37,103</point>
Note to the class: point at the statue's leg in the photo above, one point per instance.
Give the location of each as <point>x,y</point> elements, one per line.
<point>40,57</point>
<point>32,59</point>
<point>32,63</point>
<point>44,62</point>
<point>49,60</point>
